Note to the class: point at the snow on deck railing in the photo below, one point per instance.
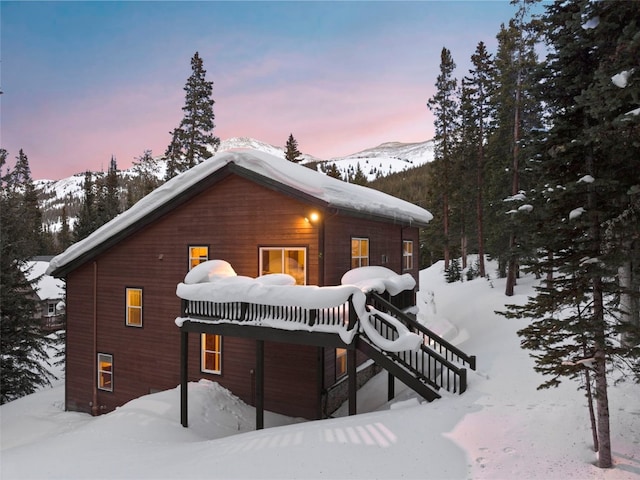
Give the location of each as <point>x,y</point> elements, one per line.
<point>340,319</point>
<point>215,294</point>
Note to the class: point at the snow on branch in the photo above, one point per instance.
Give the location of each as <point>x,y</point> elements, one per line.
<point>621,80</point>
<point>586,179</point>
<point>576,212</point>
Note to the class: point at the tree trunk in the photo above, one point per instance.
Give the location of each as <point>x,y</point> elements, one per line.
<point>604,434</point>
<point>445,223</point>
<point>628,303</point>
<point>479,214</point>
<point>592,414</point>
<point>515,188</point>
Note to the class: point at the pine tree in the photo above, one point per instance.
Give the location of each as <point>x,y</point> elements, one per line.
<point>358,177</point>
<point>64,236</point>
<point>22,344</point>
<point>87,218</point>
<point>108,195</point>
<point>516,112</point>
<point>480,85</point>
<point>584,166</point>
<point>291,151</point>
<point>20,182</point>
<point>193,140</point>
<point>146,179</point>
<point>466,158</point>
<point>332,171</point>
<point>444,105</point>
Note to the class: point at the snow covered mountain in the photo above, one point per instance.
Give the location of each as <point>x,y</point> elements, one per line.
<point>375,162</point>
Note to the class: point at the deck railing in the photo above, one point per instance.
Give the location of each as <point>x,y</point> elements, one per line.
<point>339,316</point>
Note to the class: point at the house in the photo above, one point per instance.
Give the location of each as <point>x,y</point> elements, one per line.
<point>262,215</point>
<point>48,292</point>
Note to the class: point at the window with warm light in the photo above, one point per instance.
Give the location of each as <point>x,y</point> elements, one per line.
<point>292,261</point>
<point>134,307</point>
<point>197,255</point>
<point>341,362</point>
<point>211,353</point>
<point>105,372</point>
<point>359,252</point>
<point>407,254</point>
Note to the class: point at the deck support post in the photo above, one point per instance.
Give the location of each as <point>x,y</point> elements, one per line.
<point>259,384</point>
<point>184,386</point>
<point>391,387</point>
<point>353,380</point>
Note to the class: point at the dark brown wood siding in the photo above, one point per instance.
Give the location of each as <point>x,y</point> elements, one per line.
<point>385,245</point>
<point>234,218</point>
<point>290,374</point>
<point>80,370</point>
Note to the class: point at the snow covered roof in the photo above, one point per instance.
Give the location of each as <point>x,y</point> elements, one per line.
<point>261,167</point>
<point>46,287</point>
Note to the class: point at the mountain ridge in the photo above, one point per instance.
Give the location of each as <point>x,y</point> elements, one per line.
<point>374,162</point>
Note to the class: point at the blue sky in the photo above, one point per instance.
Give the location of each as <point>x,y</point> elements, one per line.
<point>86,80</point>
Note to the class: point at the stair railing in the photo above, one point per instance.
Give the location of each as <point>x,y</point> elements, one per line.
<point>436,342</point>
<point>425,363</point>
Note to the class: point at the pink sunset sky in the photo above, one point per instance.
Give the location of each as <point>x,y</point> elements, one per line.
<point>83,81</point>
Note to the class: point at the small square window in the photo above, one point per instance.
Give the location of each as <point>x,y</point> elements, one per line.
<point>359,252</point>
<point>134,307</point>
<point>105,372</point>
<point>197,255</point>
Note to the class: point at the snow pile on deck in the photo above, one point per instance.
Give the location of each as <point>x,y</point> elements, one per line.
<point>216,281</point>
<point>378,279</point>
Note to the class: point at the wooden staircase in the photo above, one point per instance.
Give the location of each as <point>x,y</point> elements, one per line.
<point>437,364</point>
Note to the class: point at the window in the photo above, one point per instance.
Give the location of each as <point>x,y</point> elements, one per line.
<point>105,372</point>
<point>211,356</point>
<point>407,255</point>
<point>134,307</point>
<point>51,309</point>
<point>359,252</point>
<point>341,362</point>
<point>197,255</point>
<point>292,261</point>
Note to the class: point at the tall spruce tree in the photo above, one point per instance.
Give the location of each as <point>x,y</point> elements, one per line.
<point>193,140</point>
<point>146,178</point>
<point>108,195</point>
<point>291,151</point>
<point>523,61</point>
<point>87,217</point>
<point>465,160</point>
<point>480,86</point>
<point>515,112</point>
<point>64,236</point>
<point>444,105</point>
<point>23,356</point>
<point>21,182</point>
<point>584,166</point>
<point>332,170</point>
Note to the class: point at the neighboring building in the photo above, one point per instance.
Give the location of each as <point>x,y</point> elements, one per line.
<point>261,214</point>
<point>48,292</point>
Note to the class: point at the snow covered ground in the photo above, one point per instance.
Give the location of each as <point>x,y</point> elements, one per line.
<point>501,428</point>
